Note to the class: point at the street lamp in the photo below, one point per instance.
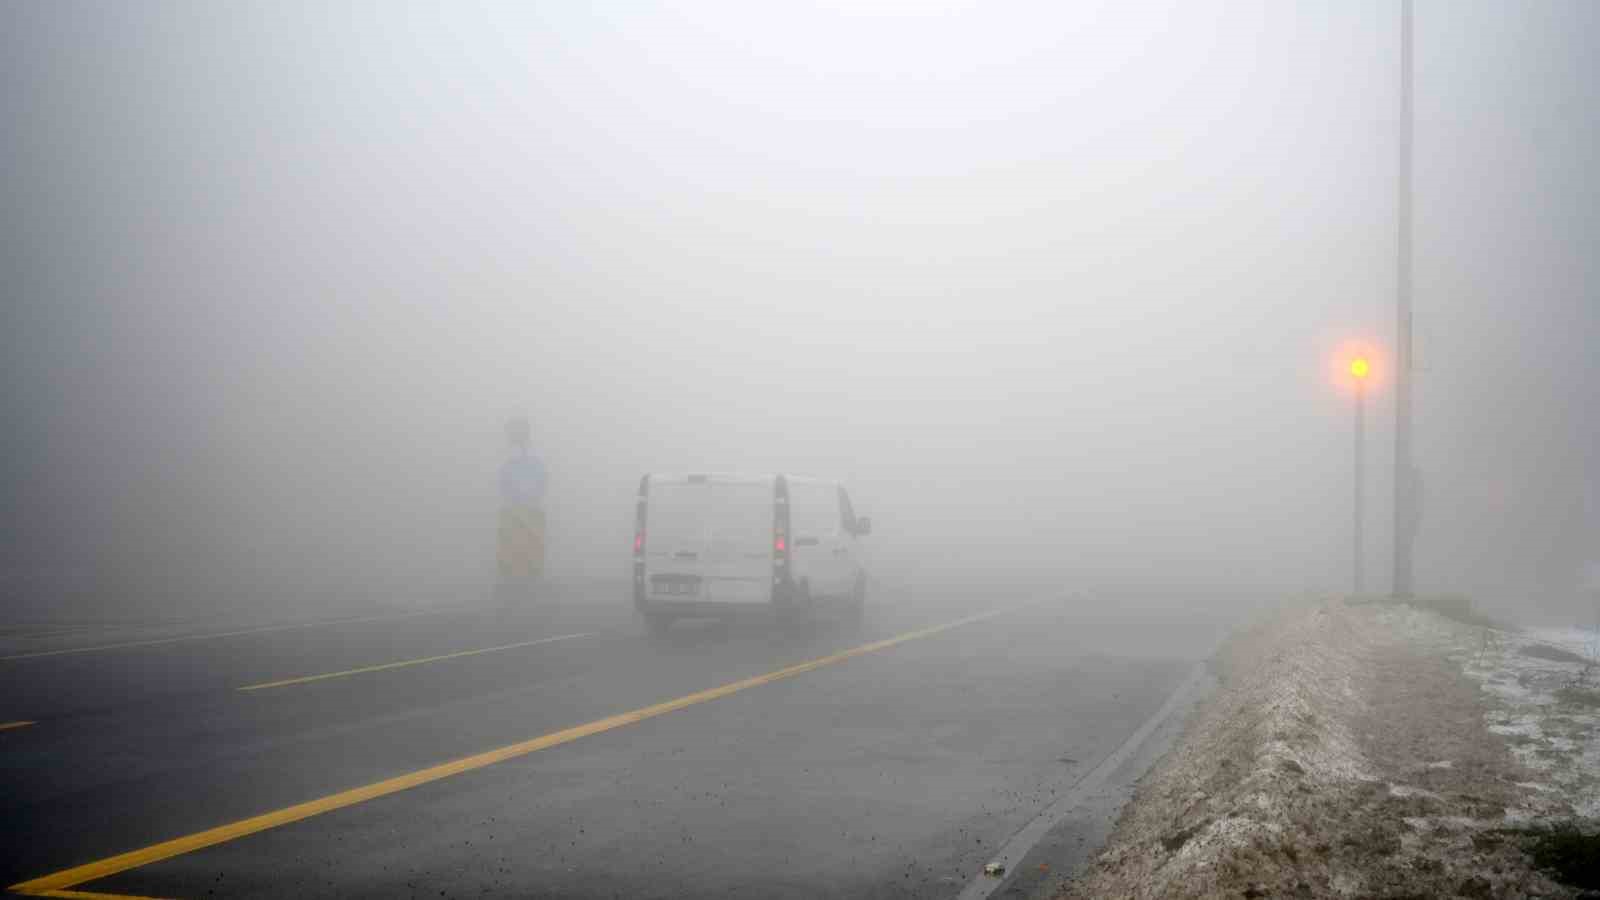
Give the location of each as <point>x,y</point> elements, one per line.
<point>1360,368</point>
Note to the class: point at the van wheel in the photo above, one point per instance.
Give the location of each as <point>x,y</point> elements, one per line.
<point>656,624</point>
<point>796,610</point>
<point>856,611</point>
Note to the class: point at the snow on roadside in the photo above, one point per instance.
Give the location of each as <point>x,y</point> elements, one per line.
<point>1346,755</point>
<point>1545,686</point>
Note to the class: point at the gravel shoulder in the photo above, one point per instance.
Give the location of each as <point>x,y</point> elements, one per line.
<point>1372,751</point>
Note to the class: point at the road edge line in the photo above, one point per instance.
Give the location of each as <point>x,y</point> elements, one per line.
<point>1016,848</point>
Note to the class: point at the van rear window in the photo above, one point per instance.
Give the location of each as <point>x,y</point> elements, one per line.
<point>710,513</point>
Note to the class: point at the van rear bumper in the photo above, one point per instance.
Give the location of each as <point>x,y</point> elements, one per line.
<point>710,609</point>
<point>663,589</point>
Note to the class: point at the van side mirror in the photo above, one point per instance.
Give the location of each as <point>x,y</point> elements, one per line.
<point>863,525</point>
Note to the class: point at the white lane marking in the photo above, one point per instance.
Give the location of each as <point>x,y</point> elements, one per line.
<point>222,634</point>
<point>57,632</point>
<point>402,663</point>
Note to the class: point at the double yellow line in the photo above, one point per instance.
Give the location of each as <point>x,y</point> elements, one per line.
<point>58,883</point>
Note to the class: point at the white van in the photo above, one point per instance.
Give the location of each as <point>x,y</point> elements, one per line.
<point>718,545</point>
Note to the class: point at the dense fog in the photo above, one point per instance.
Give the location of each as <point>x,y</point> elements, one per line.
<point>1056,289</point>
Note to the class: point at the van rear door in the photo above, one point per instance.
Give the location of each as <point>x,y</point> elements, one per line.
<point>709,540</point>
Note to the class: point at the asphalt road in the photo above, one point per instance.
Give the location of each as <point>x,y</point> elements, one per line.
<point>894,771</point>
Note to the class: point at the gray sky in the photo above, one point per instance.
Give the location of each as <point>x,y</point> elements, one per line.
<point>1054,286</point>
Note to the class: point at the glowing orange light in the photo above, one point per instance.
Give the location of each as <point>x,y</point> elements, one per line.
<point>1358,365</point>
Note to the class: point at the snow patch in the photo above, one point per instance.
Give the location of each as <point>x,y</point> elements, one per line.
<point>1547,729</point>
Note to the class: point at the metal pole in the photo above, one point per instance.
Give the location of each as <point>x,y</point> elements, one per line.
<point>1360,473</point>
<point>1404,487</point>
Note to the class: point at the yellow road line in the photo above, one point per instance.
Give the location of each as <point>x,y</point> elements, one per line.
<point>232,831</point>
<point>410,662</point>
<point>7,726</point>
<point>88,895</point>
<point>223,634</point>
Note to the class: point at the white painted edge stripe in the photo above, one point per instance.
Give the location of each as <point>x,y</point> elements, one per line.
<point>1015,849</point>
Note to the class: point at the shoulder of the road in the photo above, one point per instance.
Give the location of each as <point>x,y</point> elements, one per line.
<point>1016,848</point>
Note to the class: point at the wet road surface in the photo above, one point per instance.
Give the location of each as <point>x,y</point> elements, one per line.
<point>699,764</point>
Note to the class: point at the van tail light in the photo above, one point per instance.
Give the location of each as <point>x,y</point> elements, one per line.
<point>641,508</point>
<point>780,528</point>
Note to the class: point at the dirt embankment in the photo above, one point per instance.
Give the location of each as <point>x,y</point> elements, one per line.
<point>1348,754</point>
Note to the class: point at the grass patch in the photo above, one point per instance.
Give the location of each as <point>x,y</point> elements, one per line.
<point>1454,606</point>
<point>1589,698</point>
<point>1566,853</point>
<point>1554,654</point>
<point>1175,841</point>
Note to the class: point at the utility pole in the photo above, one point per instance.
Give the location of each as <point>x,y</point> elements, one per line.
<point>1405,521</point>
<point>1358,370</point>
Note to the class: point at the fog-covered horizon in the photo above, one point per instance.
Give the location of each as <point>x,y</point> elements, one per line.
<point>1053,288</point>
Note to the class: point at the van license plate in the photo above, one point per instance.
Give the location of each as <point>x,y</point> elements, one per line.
<point>675,588</point>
